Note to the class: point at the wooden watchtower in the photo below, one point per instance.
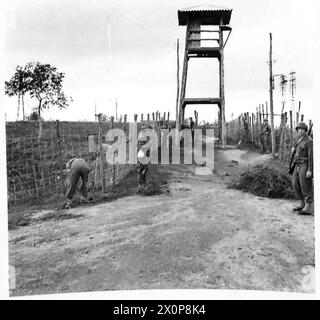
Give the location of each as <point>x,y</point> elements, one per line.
<point>196,46</point>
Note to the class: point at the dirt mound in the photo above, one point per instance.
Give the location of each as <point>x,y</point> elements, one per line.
<point>264,181</point>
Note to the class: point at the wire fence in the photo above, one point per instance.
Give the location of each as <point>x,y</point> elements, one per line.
<point>246,128</point>
<point>35,167</point>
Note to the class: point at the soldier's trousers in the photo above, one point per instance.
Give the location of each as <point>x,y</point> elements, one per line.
<point>142,171</point>
<point>265,142</point>
<point>302,186</point>
<point>77,172</point>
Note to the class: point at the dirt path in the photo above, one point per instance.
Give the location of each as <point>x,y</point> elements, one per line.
<point>200,235</point>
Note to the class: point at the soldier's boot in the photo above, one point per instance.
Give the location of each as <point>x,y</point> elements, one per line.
<point>307,210</point>
<point>300,206</point>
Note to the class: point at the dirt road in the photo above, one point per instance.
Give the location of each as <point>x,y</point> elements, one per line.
<point>199,235</point>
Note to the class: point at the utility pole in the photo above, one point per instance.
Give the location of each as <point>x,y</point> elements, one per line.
<point>178,86</point>
<point>273,140</point>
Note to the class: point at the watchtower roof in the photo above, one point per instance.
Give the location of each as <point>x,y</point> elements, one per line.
<point>208,15</point>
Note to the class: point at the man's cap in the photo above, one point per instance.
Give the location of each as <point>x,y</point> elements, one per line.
<point>302,125</point>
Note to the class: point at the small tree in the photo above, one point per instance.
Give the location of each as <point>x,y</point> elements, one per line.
<point>45,85</point>
<point>43,82</point>
<point>18,86</point>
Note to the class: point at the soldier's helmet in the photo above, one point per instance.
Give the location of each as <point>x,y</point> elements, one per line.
<point>302,125</point>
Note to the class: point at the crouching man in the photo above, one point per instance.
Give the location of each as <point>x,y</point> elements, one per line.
<point>77,168</point>
<point>303,171</point>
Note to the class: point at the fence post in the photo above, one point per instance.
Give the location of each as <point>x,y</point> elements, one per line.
<point>252,127</point>
<point>60,154</point>
<point>299,110</point>
<point>111,122</point>
<point>291,129</point>
<point>260,114</point>
<point>101,157</point>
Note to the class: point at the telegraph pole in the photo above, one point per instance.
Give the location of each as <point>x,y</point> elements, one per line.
<point>273,140</point>
<point>178,87</point>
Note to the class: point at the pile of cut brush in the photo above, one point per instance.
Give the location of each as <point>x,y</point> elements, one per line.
<point>152,188</point>
<point>265,181</point>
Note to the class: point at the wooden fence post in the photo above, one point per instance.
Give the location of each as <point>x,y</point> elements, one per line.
<point>291,129</point>
<point>60,154</point>
<point>111,122</point>
<point>299,110</point>
<point>260,114</point>
<point>101,156</point>
<point>252,127</point>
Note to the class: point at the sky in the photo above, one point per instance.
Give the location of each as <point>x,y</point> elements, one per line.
<point>125,51</point>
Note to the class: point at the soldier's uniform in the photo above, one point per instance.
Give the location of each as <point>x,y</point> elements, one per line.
<point>192,127</point>
<point>142,168</point>
<point>265,136</point>
<point>303,163</point>
<point>244,132</point>
<point>78,168</point>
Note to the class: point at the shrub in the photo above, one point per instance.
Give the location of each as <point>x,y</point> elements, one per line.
<point>265,181</point>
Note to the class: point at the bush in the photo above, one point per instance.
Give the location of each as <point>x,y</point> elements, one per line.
<point>265,181</point>
<point>33,116</point>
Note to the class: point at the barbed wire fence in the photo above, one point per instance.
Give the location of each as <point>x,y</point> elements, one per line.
<point>246,128</point>
<point>35,168</point>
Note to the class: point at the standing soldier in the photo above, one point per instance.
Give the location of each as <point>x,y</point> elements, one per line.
<point>303,171</point>
<point>142,168</point>
<point>244,135</point>
<point>192,127</point>
<point>265,136</point>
